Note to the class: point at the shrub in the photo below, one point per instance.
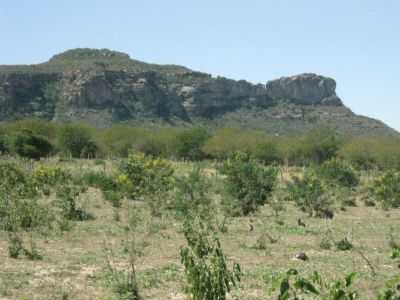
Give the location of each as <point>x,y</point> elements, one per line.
<point>310,196</point>
<point>206,267</point>
<point>344,244</point>
<point>20,216</point>
<point>4,147</point>
<point>67,196</point>
<point>320,144</point>
<point>268,153</point>
<point>189,143</point>
<point>339,172</point>
<point>192,194</point>
<point>76,140</point>
<point>13,179</point>
<point>143,175</point>
<point>248,183</point>
<point>291,285</point>
<point>226,141</point>
<point>386,189</point>
<point>29,145</point>
<point>99,180</point>
<point>46,177</point>
<point>374,152</point>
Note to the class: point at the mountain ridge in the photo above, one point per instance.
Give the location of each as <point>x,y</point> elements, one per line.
<point>104,87</point>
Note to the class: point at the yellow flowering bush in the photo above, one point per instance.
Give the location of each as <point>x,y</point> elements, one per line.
<point>142,174</point>
<point>49,176</point>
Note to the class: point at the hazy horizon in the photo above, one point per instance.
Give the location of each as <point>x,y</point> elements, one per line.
<point>355,43</point>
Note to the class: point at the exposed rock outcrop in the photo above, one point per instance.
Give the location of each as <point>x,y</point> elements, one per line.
<point>305,89</point>
<point>104,87</point>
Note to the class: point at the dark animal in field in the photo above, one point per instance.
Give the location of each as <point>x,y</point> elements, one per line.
<point>301,223</point>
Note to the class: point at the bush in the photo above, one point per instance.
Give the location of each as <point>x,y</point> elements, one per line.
<point>192,194</point>
<point>386,189</point>
<point>310,196</point>
<point>268,153</point>
<point>339,172</point>
<point>29,145</point>
<point>76,140</point>
<point>47,177</point>
<point>206,267</point>
<point>67,196</point>
<point>99,180</point>
<point>320,144</point>
<point>291,285</point>
<point>189,144</point>
<point>143,175</point>
<point>13,179</point>
<point>248,183</point>
<point>226,141</point>
<point>369,153</point>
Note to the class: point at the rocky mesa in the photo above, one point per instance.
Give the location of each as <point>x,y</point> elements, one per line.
<point>103,87</point>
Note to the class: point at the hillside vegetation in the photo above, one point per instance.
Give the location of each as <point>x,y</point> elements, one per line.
<point>130,213</point>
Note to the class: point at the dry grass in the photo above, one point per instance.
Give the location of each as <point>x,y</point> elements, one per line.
<point>74,263</point>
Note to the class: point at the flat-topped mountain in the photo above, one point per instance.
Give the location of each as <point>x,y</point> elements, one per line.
<point>104,87</point>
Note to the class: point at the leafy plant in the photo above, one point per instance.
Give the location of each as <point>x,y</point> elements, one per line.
<point>192,194</point>
<point>143,175</point>
<point>248,183</point>
<point>68,196</point>
<point>206,268</point>
<point>310,195</point>
<point>339,172</point>
<point>30,145</point>
<point>189,143</point>
<point>76,140</point>
<point>344,244</point>
<point>386,189</point>
<point>292,286</point>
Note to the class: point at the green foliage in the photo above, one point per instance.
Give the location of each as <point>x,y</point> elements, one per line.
<point>373,152</point>
<point>386,189</point>
<point>189,143</point>
<point>193,194</point>
<point>68,196</point>
<point>27,144</point>
<point>226,141</point>
<point>391,290</point>
<point>77,140</point>
<point>143,175</point>
<point>14,180</point>
<point>292,286</point>
<point>20,211</point>
<point>248,183</point>
<point>339,172</point>
<point>99,180</point>
<point>206,267</point>
<point>45,178</point>
<point>268,152</point>
<point>319,145</point>
<point>310,195</point>
<point>344,244</point>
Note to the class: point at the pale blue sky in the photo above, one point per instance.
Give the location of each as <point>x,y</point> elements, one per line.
<point>357,42</point>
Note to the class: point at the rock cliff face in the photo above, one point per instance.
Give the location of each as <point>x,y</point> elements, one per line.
<point>103,87</point>
<point>305,89</point>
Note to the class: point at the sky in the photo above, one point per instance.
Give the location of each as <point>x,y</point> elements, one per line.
<point>356,42</point>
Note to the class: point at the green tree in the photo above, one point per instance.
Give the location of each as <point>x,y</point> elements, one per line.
<point>27,144</point>
<point>76,140</point>
<point>320,144</point>
<point>189,143</point>
<point>248,183</point>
